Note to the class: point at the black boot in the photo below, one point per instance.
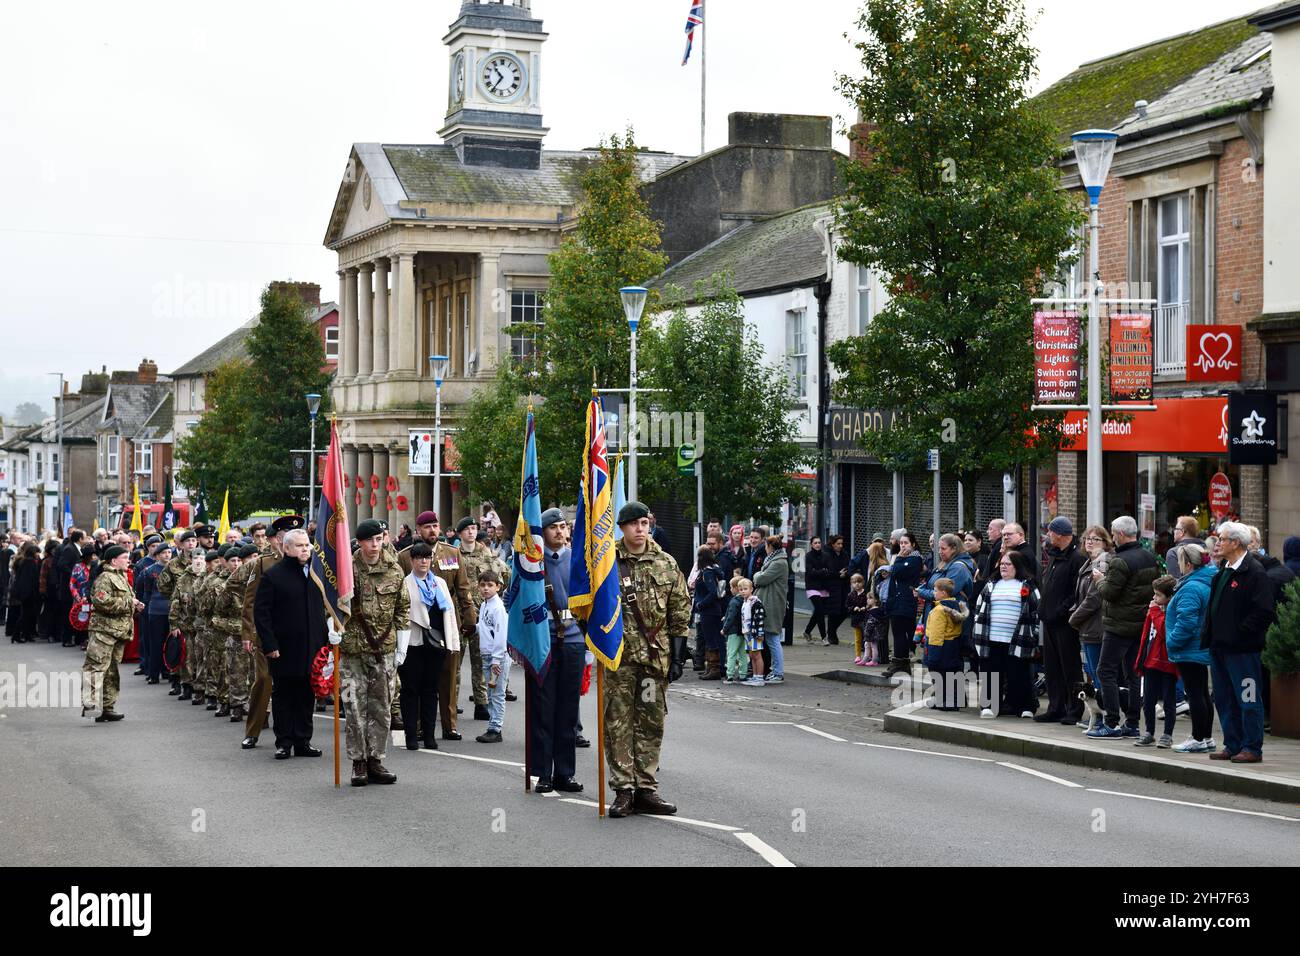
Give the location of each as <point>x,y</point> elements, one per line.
<point>187,692</point>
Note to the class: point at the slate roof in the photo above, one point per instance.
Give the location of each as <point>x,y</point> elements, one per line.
<point>132,405</point>
<point>1100,94</point>
<point>159,423</point>
<point>77,425</point>
<point>235,345</point>
<point>782,251</point>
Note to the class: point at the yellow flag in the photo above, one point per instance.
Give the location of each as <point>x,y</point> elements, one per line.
<point>224,525</point>
<point>137,522</point>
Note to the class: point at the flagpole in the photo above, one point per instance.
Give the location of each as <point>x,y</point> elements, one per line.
<point>704,74</point>
<point>528,731</point>
<point>335,653</point>
<point>600,732</point>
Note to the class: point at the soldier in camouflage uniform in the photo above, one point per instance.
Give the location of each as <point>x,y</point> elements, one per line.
<point>477,558</point>
<point>207,676</point>
<point>377,631</point>
<point>227,622</point>
<point>173,582</point>
<point>113,607</point>
<point>181,618</point>
<point>656,617</point>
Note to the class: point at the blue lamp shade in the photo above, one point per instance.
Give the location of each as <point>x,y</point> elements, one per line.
<point>313,403</point>
<point>633,297</point>
<point>1094,149</point>
<point>438,368</point>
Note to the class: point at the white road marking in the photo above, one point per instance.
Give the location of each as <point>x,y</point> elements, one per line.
<point>1038,773</point>
<point>764,723</point>
<point>879,720</point>
<point>932,753</point>
<point>768,853</point>
<point>581,803</point>
<point>446,753</point>
<point>1203,806</point>
<point>694,823</point>
<point>821,733</point>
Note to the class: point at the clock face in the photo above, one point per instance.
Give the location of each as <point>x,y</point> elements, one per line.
<point>502,76</point>
<point>458,79</point>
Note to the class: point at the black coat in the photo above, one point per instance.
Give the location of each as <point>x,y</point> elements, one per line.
<point>1056,590</point>
<point>27,579</point>
<point>66,558</point>
<point>6,561</point>
<point>817,571</point>
<point>839,583</point>
<point>1238,623</point>
<point>289,613</point>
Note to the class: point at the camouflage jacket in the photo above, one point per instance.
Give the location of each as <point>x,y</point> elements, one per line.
<point>184,600</point>
<point>112,606</point>
<point>182,580</point>
<point>228,611</point>
<point>478,560</point>
<point>205,598</point>
<point>171,575</point>
<point>379,595</point>
<point>660,596</point>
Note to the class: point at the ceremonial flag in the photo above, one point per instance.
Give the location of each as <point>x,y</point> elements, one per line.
<point>620,496</point>
<point>201,510</point>
<point>67,512</point>
<point>137,523</point>
<point>169,513</point>
<point>593,575</point>
<point>331,556</point>
<point>528,636</point>
<point>224,524</point>
<point>694,18</point>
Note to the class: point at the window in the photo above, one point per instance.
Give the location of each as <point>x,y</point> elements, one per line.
<point>40,469</point>
<point>332,343</point>
<point>444,345</point>
<point>144,458</point>
<point>110,454</point>
<point>864,299</point>
<point>464,343</point>
<point>796,354</point>
<point>1071,277</point>
<point>194,393</point>
<point>1173,283</point>
<point>525,321</point>
<point>54,466</point>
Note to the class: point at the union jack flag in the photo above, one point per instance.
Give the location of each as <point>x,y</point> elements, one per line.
<point>694,19</point>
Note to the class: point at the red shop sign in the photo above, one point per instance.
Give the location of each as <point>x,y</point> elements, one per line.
<point>1197,425</point>
<point>1220,495</point>
<point>1214,353</point>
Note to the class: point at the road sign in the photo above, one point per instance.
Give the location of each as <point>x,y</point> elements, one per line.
<point>686,459</point>
<point>932,460</point>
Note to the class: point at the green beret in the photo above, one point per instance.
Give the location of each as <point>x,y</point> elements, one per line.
<point>247,551</point>
<point>212,555</point>
<point>113,551</point>
<point>465,522</point>
<point>370,528</point>
<point>223,550</point>
<point>632,511</point>
<point>186,535</point>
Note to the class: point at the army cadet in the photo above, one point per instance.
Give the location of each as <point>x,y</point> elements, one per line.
<point>183,612</point>
<point>112,608</point>
<point>259,695</point>
<point>374,642</point>
<point>656,617</point>
<point>226,630</point>
<point>448,566</point>
<point>177,570</point>
<point>477,558</point>
<point>206,679</point>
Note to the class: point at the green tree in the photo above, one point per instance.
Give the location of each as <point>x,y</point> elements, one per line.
<point>490,442</point>
<point>1282,644</point>
<point>258,412</point>
<point>959,208</point>
<point>710,363</point>
<point>614,243</point>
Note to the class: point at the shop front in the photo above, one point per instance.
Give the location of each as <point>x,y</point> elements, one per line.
<point>1159,465</point>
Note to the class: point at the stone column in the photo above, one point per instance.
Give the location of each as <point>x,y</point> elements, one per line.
<point>350,493</point>
<point>365,332</point>
<point>491,299</point>
<point>365,467</point>
<point>381,317</point>
<point>380,511</point>
<point>406,313</point>
<point>348,320</point>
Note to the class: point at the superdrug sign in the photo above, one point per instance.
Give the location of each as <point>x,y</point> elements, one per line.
<point>1252,428</point>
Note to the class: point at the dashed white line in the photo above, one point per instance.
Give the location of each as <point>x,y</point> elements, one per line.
<point>1038,773</point>
<point>1202,806</point>
<point>773,856</point>
<point>695,823</point>
<point>764,723</point>
<point>821,733</point>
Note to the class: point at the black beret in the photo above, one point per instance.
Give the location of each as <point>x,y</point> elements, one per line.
<point>465,522</point>
<point>186,535</point>
<point>287,523</point>
<point>113,551</point>
<point>370,528</point>
<point>223,550</point>
<point>247,551</point>
<point>550,516</point>
<point>632,511</point>
<point>211,554</point>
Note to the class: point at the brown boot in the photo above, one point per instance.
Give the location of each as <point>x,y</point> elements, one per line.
<point>712,666</point>
<point>649,801</point>
<point>622,805</point>
<point>360,775</point>
<point>378,774</point>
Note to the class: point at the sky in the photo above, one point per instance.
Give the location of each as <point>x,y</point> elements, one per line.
<point>163,162</point>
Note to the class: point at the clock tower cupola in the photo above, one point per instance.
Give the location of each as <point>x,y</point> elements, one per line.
<point>494,113</point>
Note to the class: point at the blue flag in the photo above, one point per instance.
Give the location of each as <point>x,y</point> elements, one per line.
<point>593,571</point>
<point>67,512</point>
<point>528,636</point>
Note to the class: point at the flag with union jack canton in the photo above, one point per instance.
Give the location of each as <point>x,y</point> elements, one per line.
<point>694,18</point>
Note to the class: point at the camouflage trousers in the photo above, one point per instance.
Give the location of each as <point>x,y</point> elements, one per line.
<point>214,664</point>
<point>365,682</point>
<point>100,679</point>
<point>636,703</point>
<point>187,666</point>
<point>239,671</point>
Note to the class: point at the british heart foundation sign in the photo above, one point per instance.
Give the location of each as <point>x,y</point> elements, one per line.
<point>1214,353</point>
<point>1130,358</point>
<point>1056,357</point>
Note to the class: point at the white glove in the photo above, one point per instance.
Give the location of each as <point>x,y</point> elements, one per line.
<point>336,637</point>
<point>403,642</point>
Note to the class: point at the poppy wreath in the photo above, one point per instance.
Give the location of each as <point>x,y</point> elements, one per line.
<point>322,673</point>
<point>79,616</point>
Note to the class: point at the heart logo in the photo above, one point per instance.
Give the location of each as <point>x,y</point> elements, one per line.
<point>1208,359</point>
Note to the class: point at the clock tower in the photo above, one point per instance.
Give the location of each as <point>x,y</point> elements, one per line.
<point>494,114</point>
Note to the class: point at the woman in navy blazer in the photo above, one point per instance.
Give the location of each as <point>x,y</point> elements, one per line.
<point>904,574</point>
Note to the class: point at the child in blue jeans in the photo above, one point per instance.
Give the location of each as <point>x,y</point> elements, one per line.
<point>492,624</point>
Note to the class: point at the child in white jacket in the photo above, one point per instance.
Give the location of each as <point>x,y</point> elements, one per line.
<point>492,624</point>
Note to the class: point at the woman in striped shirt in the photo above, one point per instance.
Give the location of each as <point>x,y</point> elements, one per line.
<point>1006,636</point>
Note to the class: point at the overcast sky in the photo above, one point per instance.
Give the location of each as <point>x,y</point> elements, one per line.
<point>163,161</point>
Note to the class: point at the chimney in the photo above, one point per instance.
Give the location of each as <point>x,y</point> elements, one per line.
<point>308,292</point>
<point>147,373</point>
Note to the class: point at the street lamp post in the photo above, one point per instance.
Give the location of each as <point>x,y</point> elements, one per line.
<point>634,297</point>
<point>1094,149</point>
<point>313,406</point>
<point>438,369</point>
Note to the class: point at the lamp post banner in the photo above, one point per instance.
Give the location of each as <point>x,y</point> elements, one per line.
<point>420,442</point>
<point>1131,357</point>
<point>1056,357</point>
